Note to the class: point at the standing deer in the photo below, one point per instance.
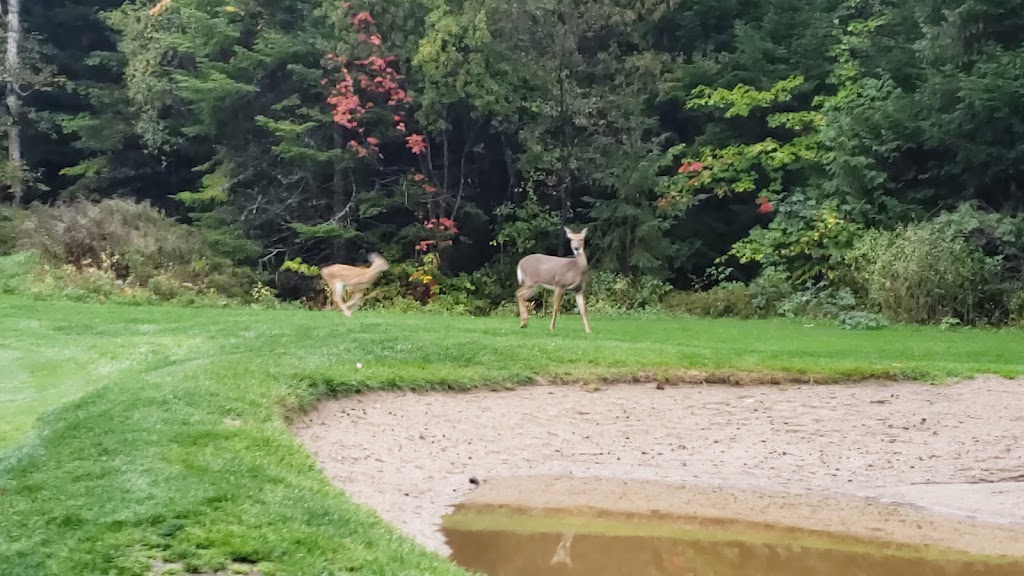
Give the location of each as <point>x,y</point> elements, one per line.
<point>554,273</point>
<point>357,278</point>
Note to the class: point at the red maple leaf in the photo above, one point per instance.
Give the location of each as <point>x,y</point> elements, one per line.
<point>416,143</point>
<point>362,18</point>
<point>690,166</point>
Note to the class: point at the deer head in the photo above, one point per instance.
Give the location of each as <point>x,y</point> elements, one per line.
<point>377,262</point>
<point>576,241</point>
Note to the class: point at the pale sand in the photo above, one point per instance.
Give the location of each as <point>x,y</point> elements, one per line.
<point>809,456</point>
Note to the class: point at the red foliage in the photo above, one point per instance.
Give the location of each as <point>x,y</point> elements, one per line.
<point>764,205</point>
<point>690,166</point>
<point>416,143</point>
<point>449,224</point>
<point>363,18</point>
<point>443,229</point>
<point>367,84</point>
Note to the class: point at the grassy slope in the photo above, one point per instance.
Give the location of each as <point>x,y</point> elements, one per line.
<point>179,449</point>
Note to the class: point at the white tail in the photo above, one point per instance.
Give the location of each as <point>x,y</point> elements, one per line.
<point>554,273</point>
<point>356,278</point>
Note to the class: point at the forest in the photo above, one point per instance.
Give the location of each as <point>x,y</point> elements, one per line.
<point>852,160</point>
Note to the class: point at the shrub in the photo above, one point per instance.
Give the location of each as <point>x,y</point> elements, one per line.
<point>925,272</point>
<point>818,301</point>
<point>859,320</point>
<point>115,246</point>
<point>7,227</point>
<point>16,270</point>
<point>730,299</point>
<point>769,291</point>
<point>136,237</point>
<point>609,293</point>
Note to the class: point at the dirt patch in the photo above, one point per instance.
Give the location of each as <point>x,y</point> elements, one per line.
<point>728,451</point>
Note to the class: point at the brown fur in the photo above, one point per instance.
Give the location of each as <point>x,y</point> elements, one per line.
<point>356,278</point>
<point>557,274</point>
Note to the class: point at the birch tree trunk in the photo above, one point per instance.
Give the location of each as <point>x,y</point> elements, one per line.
<point>13,65</point>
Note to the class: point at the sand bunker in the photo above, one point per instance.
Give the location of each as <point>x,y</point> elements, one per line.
<point>727,451</point>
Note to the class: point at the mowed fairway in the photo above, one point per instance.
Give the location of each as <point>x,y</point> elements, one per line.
<point>130,434</point>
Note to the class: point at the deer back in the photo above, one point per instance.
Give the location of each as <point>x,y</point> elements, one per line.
<point>553,271</point>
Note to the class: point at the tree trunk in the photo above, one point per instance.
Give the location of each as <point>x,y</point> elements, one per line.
<point>12,65</point>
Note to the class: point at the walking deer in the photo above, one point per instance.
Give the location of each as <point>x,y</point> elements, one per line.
<point>554,273</point>
<point>356,278</point>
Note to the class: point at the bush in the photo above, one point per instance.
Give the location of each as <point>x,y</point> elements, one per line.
<point>610,293</point>
<point>117,247</point>
<point>819,301</point>
<point>769,291</point>
<point>7,226</point>
<point>925,272</point>
<point>730,299</point>
<point>137,239</point>
<point>859,320</point>
<point>16,271</point>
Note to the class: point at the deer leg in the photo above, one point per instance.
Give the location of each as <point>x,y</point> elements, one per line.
<point>556,303</point>
<point>522,295</point>
<point>354,301</point>
<point>583,310</point>
<point>337,291</point>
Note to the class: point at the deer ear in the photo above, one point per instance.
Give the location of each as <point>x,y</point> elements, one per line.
<point>583,232</point>
<point>568,232</point>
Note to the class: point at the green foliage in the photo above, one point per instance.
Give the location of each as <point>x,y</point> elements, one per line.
<point>730,299</point>
<point>118,245</point>
<point>756,167</point>
<point>609,293</point>
<point>806,241</point>
<point>860,320</point>
<point>926,272</point>
<point>819,301</point>
<point>742,99</point>
<point>16,271</point>
<point>297,265</point>
<point>769,291</point>
<point>135,237</point>
<point>656,124</point>
<point>526,227</point>
<point>8,226</point>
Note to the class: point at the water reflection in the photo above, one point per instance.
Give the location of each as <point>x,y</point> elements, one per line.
<point>523,553</point>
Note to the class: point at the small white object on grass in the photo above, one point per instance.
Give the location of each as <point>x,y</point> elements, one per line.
<point>359,364</point>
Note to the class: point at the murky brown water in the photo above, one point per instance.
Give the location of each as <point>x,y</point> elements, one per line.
<point>523,543</point>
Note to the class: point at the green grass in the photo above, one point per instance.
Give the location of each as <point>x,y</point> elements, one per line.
<point>158,432</point>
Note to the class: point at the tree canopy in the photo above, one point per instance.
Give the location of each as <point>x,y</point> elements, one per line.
<point>702,142</point>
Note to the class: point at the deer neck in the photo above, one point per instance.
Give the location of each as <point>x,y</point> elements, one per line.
<point>581,261</point>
